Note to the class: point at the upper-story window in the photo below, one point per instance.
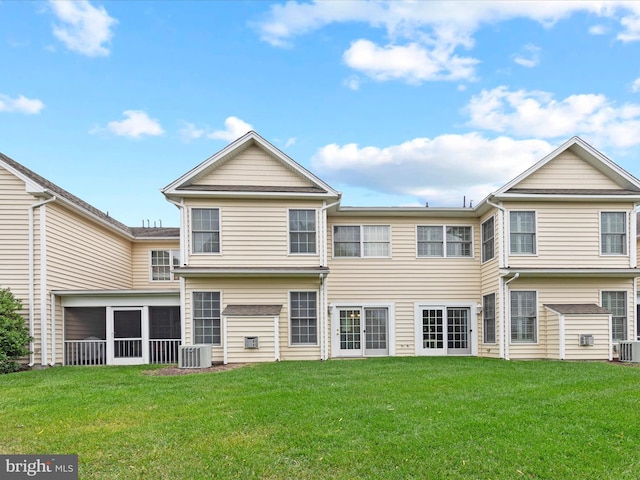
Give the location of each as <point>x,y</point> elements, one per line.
<point>205,230</point>
<point>523,232</point>
<point>302,231</point>
<point>162,261</point>
<point>613,233</point>
<point>488,234</point>
<point>444,241</point>
<point>361,241</point>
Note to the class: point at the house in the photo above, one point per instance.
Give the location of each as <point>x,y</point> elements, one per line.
<point>268,265</point>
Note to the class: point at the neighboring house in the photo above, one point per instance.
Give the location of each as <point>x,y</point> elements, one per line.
<point>267,265</point>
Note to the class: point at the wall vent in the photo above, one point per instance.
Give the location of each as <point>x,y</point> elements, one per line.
<point>194,356</point>
<point>629,352</point>
<point>250,342</point>
<point>586,340</point>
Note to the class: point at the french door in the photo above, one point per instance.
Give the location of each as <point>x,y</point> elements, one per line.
<point>445,331</point>
<point>362,331</point>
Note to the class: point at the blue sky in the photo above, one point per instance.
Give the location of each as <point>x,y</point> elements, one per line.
<point>391,103</point>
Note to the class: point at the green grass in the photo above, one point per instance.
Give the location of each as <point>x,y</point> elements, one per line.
<point>376,418</point>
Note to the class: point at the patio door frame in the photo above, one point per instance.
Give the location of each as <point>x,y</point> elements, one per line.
<point>360,307</point>
<point>144,337</point>
<point>444,307</point>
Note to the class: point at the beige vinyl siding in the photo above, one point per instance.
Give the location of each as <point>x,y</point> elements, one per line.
<point>14,235</point>
<point>255,167</point>
<point>597,325</point>
<point>551,321</point>
<point>240,327</point>
<point>568,235</point>
<point>141,255</point>
<point>489,283</point>
<point>567,170</point>
<point>564,290</point>
<point>254,234</point>
<point>97,258</point>
<point>404,278</point>
<point>256,291</point>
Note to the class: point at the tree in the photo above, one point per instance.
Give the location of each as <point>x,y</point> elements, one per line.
<point>14,335</point>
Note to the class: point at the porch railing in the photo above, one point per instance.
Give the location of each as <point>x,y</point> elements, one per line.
<point>85,352</point>
<point>164,351</point>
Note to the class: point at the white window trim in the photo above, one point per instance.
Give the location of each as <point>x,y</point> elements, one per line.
<point>444,242</point>
<point>303,254</point>
<point>508,234</point>
<point>495,318</point>
<point>193,320</point>
<point>204,207</point>
<point>495,253</point>
<point>335,323</point>
<point>629,302</point>
<point>170,250</point>
<point>417,323</point>
<point>537,342</point>
<point>361,226</point>
<point>626,234</point>
<point>318,331</point>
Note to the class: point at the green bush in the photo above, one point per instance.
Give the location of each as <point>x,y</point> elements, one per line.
<point>14,335</point>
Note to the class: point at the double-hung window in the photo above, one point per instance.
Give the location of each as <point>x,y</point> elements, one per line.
<point>361,241</point>
<point>303,315</point>
<point>302,231</point>
<point>162,261</point>
<point>616,303</point>
<point>205,230</point>
<point>524,317</point>
<point>523,233</point>
<point>488,234</point>
<point>613,233</point>
<point>444,241</point>
<point>206,318</point>
<point>489,318</point>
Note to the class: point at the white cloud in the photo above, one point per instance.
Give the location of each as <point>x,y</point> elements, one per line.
<point>20,104</point>
<point>234,128</point>
<point>82,27</point>
<point>440,170</point>
<point>598,30</point>
<point>529,56</point>
<point>537,114</point>
<point>424,37</point>
<point>635,87</point>
<point>136,125</point>
<point>353,82</point>
<point>190,132</point>
<point>290,142</point>
<point>412,63</point>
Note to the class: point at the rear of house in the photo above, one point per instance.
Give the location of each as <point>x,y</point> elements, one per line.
<point>267,265</point>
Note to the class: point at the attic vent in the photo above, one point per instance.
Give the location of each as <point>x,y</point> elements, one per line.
<point>586,340</point>
<point>194,356</point>
<point>250,342</point>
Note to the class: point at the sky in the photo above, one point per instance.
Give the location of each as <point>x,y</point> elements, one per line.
<point>392,103</point>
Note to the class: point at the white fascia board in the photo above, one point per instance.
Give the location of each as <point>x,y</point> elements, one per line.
<point>567,197</point>
<point>571,272</point>
<point>235,194</point>
<point>116,293</point>
<point>251,136</point>
<point>406,212</point>
<point>254,272</point>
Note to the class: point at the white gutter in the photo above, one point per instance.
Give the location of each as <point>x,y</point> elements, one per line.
<point>506,335</point>
<point>32,302</point>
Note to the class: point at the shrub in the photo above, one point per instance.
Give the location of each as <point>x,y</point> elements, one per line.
<point>14,335</point>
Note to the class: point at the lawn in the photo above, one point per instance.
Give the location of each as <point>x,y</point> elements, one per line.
<point>376,418</point>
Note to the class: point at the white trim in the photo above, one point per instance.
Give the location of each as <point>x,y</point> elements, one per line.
<point>190,222</point>
<point>171,266</point>
<point>302,254</point>
<point>318,314</point>
<point>610,337</point>
<point>335,325</point>
<point>44,346</point>
<point>495,254</point>
<point>627,234</point>
<point>444,242</point>
<point>276,337</point>
<point>225,343</point>
<point>166,300</point>
<point>562,339</point>
<point>53,328</point>
<point>537,341</point>
<point>361,226</point>
<point>473,325</point>
<point>144,334</point>
<point>535,233</point>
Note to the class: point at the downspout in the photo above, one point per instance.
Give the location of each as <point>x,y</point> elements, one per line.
<point>506,335</point>
<point>501,264</point>
<point>183,261</point>
<point>503,251</point>
<point>633,263</point>
<point>32,275</point>
<point>53,330</point>
<point>324,353</point>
